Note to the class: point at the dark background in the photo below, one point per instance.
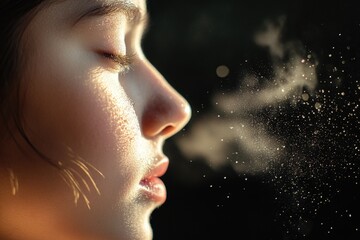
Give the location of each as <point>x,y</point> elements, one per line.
<point>186,41</point>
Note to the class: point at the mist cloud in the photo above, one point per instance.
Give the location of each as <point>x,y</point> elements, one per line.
<point>232,133</point>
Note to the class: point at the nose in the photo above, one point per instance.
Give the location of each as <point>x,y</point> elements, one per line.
<point>164,111</point>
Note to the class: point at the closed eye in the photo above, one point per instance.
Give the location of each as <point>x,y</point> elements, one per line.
<point>123,62</point>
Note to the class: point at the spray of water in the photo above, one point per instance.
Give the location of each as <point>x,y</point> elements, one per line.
<point>297,126</point>
<point>233,134</point>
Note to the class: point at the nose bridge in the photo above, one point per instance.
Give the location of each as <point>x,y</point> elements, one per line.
<point>165,111</point>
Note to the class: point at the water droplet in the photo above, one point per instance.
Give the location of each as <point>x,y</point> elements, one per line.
<point>222,71</point>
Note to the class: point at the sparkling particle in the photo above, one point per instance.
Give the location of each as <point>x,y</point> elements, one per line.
<point>318,106</point>
<point>305,97</point>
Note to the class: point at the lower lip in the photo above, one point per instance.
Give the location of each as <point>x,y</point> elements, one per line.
<point>154,189</point>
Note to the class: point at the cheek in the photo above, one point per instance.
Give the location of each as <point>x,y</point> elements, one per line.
<point>72,106</point>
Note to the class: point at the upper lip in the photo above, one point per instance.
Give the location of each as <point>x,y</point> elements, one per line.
<point>158,169</point>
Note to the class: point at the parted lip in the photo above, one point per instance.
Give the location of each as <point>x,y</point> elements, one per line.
<point>151,185</point>
<point>158,169</point>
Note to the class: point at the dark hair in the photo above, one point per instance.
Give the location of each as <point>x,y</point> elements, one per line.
<point>15,16</point>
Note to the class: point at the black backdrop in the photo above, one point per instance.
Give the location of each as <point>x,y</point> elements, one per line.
<point>186,41</point>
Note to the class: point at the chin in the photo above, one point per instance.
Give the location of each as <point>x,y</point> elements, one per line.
<point>138,233</point>
<point>136,227</point>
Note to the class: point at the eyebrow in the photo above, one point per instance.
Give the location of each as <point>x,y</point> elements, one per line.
<point>131,11</point>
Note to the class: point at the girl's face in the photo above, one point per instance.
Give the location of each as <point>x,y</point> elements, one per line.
<point>101,125</point>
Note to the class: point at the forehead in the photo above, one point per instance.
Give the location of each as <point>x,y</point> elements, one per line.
<point>134,9</point>
<point>141,4</point>
<point>72,11</point>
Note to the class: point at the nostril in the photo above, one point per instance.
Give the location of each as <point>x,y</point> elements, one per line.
<point>168,130</point>
<point>162,118</point>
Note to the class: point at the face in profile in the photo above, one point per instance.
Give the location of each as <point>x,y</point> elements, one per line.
<point>97,113</point>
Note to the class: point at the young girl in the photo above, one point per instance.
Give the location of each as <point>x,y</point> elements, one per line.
<point>84,116</point>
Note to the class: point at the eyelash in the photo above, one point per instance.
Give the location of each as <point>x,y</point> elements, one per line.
<point>123,61</point>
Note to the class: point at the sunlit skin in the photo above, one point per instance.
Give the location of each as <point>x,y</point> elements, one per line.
<point>83,107</point>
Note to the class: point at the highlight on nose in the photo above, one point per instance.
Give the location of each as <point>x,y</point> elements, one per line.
<point>165,115</point>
